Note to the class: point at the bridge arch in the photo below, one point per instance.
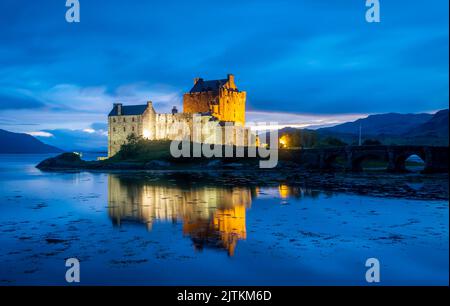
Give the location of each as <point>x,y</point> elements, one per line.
<point>435,158</point>
<point>329,156</point>
<point>358,159</point>
<point>401,157</point>
<point>329,160</point>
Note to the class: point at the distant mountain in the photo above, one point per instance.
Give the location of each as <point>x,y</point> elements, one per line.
<point>384,124</point>
<point>391,128</point>
<point>18,143</point>
<point>437,126</point>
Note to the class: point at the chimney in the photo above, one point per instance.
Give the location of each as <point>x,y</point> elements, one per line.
<point>174,110</point>
<point>149,104</point>
<point>119,108</point>
<point>196,80</point>
<point>231,84</point>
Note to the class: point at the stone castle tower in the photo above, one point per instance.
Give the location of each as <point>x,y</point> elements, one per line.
<point>221,98</point>
<point>216,101</point>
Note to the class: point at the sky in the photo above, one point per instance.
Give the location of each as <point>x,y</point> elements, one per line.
<point>303,63</point>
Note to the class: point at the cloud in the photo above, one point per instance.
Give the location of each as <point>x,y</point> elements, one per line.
<point>261,120</point>
<point>164,97</point>
<point>314,57</point>
<point>75,140</point>
<point>18,100</point>
<point>70,106</point>
<point>99,126</point>
<point>40,134</point>
<point>70,97</point>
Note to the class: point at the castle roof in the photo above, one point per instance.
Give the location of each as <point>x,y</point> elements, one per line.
<point>129,110</point>
<point>212,85</point>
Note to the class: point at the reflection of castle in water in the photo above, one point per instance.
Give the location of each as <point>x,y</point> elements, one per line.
<point>286,191</point>
<point>211,216</point>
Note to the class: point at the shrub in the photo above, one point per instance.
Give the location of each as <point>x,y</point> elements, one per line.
<point>140,149</point>
<point>371,142</point>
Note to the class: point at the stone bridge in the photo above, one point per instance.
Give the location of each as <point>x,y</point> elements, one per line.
<point>435,158</point>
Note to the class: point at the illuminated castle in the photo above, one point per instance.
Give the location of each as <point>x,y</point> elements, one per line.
<point>221,98</point>
<point>214,104</point>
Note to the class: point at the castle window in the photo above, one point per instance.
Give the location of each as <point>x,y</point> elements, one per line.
<point>124,129</point>
<point>132,128</point>
<point>114,129</point>
<point>124,120</point>
<point>114,120</point>
<point>132,119</point>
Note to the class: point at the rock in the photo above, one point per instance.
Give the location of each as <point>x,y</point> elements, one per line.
<point>62,161</point>
<point>233,165</point>
<point>157,164</point>
<point>214,163</point>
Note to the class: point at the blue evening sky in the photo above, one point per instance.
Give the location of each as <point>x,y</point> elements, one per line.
<point>302,63</point>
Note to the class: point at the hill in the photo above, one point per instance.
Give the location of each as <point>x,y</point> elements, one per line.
<point>388,129</point>
<point>381,124</point>
<point>392,128</point>
<point>437,126</point>
<point>19,143</point>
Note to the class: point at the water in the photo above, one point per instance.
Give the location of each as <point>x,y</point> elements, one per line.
<point>180,229</point>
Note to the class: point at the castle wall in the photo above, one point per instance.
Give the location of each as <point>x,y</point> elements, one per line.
<point>175,126</point>
<point>198,102</point>
<point>226,105</point>
<point>148,122</point>
<point>231,106</point>
<point>119,128</point>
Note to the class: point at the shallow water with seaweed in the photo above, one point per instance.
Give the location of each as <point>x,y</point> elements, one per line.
<point>161,228</point>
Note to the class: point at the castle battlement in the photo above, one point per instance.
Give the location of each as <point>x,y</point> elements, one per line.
<point>221,98</point>
<point>217,104</point>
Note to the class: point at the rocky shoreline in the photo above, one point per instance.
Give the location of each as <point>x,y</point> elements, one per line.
<point>379,184</point>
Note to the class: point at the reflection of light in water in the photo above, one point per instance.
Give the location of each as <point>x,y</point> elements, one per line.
<point>415,186</point>
<point>227,226</point>
<point>284,191</point>
<point>210,215</point>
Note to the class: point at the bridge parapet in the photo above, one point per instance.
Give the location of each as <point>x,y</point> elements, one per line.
<point>435,158</point>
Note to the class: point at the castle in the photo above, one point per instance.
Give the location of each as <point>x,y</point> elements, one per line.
<point>217,105</point>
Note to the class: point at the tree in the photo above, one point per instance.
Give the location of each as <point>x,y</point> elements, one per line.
<point>298,139</point>
<point>308,138</point>
<point>332,142</point>
<point>371,142</point>
<point>132,138</point>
